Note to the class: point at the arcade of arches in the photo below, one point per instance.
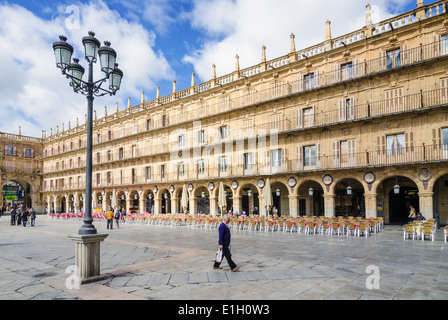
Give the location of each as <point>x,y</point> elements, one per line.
<point>18,191</point>
<point>385,194</point>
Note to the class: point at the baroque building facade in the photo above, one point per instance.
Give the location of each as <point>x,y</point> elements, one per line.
<point>356,120</point>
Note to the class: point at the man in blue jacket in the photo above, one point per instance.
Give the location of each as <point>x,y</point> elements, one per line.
<point>224,243</point>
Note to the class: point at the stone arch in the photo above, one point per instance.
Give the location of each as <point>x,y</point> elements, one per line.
<point>250,195</point>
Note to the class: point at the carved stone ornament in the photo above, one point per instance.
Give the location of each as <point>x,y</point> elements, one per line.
<point>211,186</point>
<point>425,175</point>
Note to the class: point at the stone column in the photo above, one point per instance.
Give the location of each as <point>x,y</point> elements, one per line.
<point>370,204</point>
<point>329,205</point>
<point>193,205</point>
<point>157,204</point>
<point>293,205</point>
<point>426,204</point>
<point>87,258</point>
<point>213,205</point>
<point>141,204</point>
<point>237,205</point>
<point>174,205</point>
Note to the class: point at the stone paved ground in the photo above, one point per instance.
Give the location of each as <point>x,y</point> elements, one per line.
<point>175,263</point>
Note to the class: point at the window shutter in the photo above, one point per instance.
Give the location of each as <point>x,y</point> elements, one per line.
<point>317,78</point>
<point>299,158</point>
<point>311,120</point>
<point>436,46</point>
<point>342,113</point>
<point>352,152</point>
<point>404,54</point>
<point>336,153</point>
<point>318,156</point>
<point>299,118</point>
<point>352,108</point>
<point>383,61</point>
<point>355,68</point>
<point>300,84</point>
<point>337,73</point>
<point>444,90</point>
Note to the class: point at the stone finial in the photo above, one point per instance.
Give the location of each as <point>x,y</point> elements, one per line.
<point>328,31</point>
<point>293,43</point>
<point>57,129</point>
<point>94,115</point>
<point>237,63</point>
<point>105,111</point>
<point>69,126</point>
<point>116,107</point>
<point>368,15</point>
<point>85,118</point>
<point>43,134</point>
<point>263,54</point>
<point>158,93</point>
<point>174,86</point>
<point>129,102</point>
<point>51,132</point>
<point>77,122</point>
<point>20,130</point>
<point>213,71</point>
<point>192,80</point>
<point>419,3</point>
<point>142,98</point>
<point>63,127</point>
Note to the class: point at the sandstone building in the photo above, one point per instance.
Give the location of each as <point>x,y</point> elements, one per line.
<point>360,119</point>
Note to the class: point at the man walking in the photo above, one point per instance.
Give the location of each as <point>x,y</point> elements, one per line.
<point>224,243</point>
<point>110,217</point>
<point>13,216</point>
<point>32,216</point>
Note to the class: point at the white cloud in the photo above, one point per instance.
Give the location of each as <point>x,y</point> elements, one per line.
<point>243,26</point>
<point>35,95</point>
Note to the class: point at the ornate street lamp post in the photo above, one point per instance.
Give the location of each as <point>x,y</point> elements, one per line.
<point>74,71</point>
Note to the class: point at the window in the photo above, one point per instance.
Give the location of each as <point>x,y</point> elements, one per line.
<point>346,109</point>
<point>121,132</point>
<point>248,161</point>
<point>164,120</point>
<point>395,144</point>
<point>148,124</point>
<point>148,174</point>
<point>444,133</point>
<point>344,153</point>
<point>109,155</point>
<point>223,132</point>
<point>98,179</point>
<point>109,178</point>
<point>201,136</point>
<point>98,157</point>
<point>346,71</point>
<point>201,166</point>
<point>223,164</point>
<point>444,44</point>
<point>79,162</point>
<point>275,121</point>
<point>181,169</point>
<point>120,153</point>
<point>109,135</point>
<point>308,81</point>
<point>134,151</point>
<point>71,164</point>
<point>276,158</point>
<point>98,138</point>
<point>79,143</point>
<point>181,141</point>
<point>394,100</point>
<point>305,117</point>
<point>393,59</point>
<point>133,176</point>
<point>309,156</point>
<point>79,182</point>
<point>162,171</point>
<point>27,153</point>
<point>10,151</point>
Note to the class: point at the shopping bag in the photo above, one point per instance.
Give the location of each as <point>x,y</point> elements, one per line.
<point>219,256</point>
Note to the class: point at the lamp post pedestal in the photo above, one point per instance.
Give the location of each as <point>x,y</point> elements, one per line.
<point>87,257</point>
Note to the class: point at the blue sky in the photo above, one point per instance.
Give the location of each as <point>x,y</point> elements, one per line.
<point>157,41</point>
